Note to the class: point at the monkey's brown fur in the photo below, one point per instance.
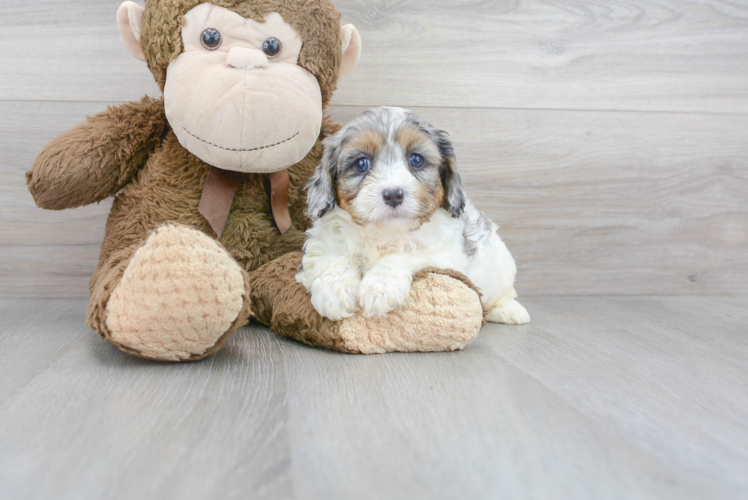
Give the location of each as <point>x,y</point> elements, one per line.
<point>131,150</point>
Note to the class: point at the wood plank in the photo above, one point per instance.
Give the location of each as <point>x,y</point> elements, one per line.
<point>69,53</point>
<point>426,405</point>
<point>649,367</point>
<point>668,55</point>
<point>96,423</point>
<point>589,203</point>
<point>27,350</point>
<point>619,398</point>
<point>425,427</point>
<point>47,270</point>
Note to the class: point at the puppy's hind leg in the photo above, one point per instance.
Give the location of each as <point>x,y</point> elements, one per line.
<point>493,270</point>
<point>509,313</point>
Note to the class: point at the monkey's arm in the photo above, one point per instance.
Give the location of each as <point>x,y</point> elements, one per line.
<point>96,159</point>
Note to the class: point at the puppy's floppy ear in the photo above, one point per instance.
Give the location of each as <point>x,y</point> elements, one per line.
<point>454,194</point>
<point>321,186</point>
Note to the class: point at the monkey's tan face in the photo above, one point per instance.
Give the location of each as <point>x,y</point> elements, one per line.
<point>236,97</point>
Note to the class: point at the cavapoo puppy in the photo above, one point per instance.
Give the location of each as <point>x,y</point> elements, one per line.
<point>387,201</point>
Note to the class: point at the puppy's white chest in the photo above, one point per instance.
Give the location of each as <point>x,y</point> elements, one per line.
<point>436,243</point>
<point>373,250</point>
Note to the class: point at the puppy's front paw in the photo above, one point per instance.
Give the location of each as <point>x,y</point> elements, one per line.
<point>509,313</point>
<point>382,292</point>
<point>336,300</point>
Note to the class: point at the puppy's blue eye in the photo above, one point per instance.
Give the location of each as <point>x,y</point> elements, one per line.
<point>363,165</point>
<point>416,161</point>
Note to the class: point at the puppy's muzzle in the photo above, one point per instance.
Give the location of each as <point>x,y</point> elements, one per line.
<point>393,197</point>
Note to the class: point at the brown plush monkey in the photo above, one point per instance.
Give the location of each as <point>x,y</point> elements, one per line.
<point>209,180</point>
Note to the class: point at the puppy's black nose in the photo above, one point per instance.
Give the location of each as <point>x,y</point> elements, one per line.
<point>393,197</point>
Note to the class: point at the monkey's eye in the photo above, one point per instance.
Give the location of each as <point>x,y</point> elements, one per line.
<point>211,39</point>
<point>416,161</point>
<point>272,47</point>
<point>363,165</point>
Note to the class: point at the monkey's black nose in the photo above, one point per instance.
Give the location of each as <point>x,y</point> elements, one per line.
<point>393,197</point>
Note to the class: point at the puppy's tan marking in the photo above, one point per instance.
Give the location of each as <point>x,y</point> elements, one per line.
<point>368,141</point>
<point>410,137</point>
<point>344,199</point>
<point>347,205</point>
<point>431,199</point>
<point>430,191</point>
<point>413,139</point>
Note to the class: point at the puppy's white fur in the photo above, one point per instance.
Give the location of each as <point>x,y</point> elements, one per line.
<point>366,263</point>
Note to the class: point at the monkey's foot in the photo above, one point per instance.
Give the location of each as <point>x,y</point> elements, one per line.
<point>179,298</point>
<point>443,312</point>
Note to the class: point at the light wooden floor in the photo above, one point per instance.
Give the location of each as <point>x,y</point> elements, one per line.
<point>609,141</point>
<point>597,398</point>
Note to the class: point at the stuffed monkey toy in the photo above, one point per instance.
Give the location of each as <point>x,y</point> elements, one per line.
<point>208,220</point>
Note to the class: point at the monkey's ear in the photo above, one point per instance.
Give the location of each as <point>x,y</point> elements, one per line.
<point>130,22</point>
<point>351,50</point>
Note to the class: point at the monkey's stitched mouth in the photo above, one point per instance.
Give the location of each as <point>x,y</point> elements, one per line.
<point>240,150</point>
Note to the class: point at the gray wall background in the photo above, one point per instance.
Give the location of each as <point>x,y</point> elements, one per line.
<point>608,139</point>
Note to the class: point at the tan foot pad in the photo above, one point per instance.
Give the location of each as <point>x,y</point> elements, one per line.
<point>442,313</point>
<point>178,296</point>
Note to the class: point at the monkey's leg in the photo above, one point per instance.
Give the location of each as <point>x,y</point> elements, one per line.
<point>442,313</point>
<point>175,298</point>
